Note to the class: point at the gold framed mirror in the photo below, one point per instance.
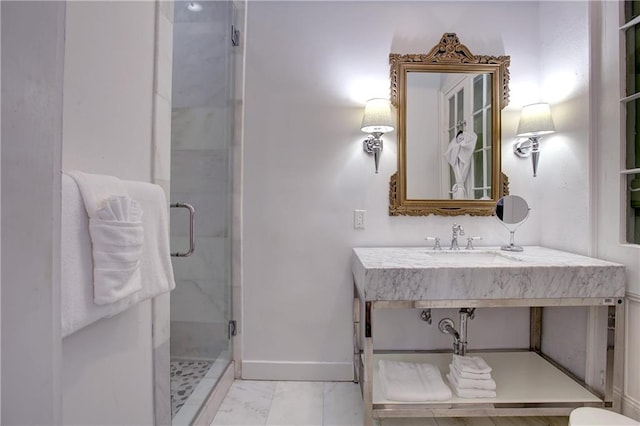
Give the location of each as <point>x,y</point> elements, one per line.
<point>449,105</point>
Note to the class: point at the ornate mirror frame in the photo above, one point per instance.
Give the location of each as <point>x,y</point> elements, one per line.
<point>449,56</point>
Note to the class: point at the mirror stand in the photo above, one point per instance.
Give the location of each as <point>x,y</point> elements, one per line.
<point>512,246</point>
<point>512,211</point>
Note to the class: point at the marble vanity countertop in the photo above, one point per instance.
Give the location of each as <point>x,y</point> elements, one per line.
<point>420,273</point>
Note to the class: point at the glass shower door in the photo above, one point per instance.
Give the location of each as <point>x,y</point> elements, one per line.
<point>202,117</point>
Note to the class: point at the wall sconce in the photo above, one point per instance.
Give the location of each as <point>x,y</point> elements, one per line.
<point>377,121</point>
<point>535,121</point>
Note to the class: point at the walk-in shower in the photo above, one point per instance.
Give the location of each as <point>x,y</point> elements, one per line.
<point>201,134</point>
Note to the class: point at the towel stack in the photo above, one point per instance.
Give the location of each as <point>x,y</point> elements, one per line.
<point>470,377</point>
<point>412,382</point>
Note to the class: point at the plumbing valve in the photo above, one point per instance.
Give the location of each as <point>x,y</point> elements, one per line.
<point>436,245</point>
<point>425,315</point>
<point>471,312</point>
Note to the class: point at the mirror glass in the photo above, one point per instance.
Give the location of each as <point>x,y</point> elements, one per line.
<point>449,105</point>
<point>448,135</point>
<point>512,211</point>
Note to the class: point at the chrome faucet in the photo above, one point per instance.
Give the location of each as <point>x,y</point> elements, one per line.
<point>456,230</point>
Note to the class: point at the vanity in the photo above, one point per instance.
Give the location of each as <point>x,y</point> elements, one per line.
<point>449,104</point>
<point>529,383</point>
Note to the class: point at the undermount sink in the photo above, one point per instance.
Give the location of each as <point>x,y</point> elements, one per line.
<point>472,257</point>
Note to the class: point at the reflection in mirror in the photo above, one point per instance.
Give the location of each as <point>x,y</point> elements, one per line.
<point>512,211</point>
<point>448,135</point>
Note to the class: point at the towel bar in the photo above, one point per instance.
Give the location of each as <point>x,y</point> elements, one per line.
<point>192,237</point>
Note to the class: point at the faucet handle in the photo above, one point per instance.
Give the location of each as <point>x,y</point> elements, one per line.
<point>436,245</point>
<point>470,242</point>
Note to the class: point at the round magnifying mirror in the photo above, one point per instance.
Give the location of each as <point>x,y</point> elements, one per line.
<point>512,211</point>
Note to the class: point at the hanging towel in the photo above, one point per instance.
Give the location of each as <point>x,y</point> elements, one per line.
<point>470,393</point>
<point>471,364</point>
<point>412,382</point>
<point>458,155</point>
<point>78,307</point>
<point>464,383</point>
<point>115,228</point>
<point>467,375</point>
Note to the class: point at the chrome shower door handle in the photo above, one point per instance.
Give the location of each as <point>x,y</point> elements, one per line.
<point>192,231</point>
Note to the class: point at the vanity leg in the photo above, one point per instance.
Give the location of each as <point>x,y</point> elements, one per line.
<point>357,360</point>
<point>615,320</point>
<point>367,389</point>
<point>535,332</point>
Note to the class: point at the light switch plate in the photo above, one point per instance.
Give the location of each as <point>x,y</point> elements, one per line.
<point>359,219</point>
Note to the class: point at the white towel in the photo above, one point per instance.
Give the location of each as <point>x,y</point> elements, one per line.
<point>467,375</point>
<point>464,383</point>
<point>471,364</point>
<point>116,232</point>
<point>470,393</point>
<point>412,382</point>
<point>78,308</point>
<point>458,155</point>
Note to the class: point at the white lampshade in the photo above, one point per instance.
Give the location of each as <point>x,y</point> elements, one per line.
<point>535,120</point>
<point>377,116</point>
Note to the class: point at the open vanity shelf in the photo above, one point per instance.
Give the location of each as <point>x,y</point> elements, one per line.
<point>523,377</point>
<point>529,383</point>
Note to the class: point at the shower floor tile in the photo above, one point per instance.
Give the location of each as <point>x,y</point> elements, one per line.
<point>185,376</point>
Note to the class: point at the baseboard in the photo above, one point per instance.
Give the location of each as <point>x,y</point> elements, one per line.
<point>617,399</point>
<point>630,407</point>
<point>295,370</point>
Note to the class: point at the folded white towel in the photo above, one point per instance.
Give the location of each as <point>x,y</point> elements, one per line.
<point>412,382</point>
<point>96,189</point>
<point>467,375</point>
<point>470,393</point>
<point>471,364</point>
<point>464,383</point>
<point>115,227</point>
<point>78,307</point>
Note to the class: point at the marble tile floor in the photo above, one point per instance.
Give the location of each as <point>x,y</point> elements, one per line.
<point>268,403</point>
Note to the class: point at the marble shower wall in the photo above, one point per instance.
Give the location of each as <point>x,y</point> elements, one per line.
<point>200,176</point>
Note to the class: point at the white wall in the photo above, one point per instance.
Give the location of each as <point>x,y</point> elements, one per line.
<point>609,190</point>
<point>304,171</point>
<point>108,102</point>
<point>117,122</point>
<point>562,191</point>
<point>0,232</point>
<point>562,196</point>
<point>32,66</point>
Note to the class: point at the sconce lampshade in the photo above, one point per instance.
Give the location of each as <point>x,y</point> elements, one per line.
<point>535,120</point>
<point>377,116</point>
